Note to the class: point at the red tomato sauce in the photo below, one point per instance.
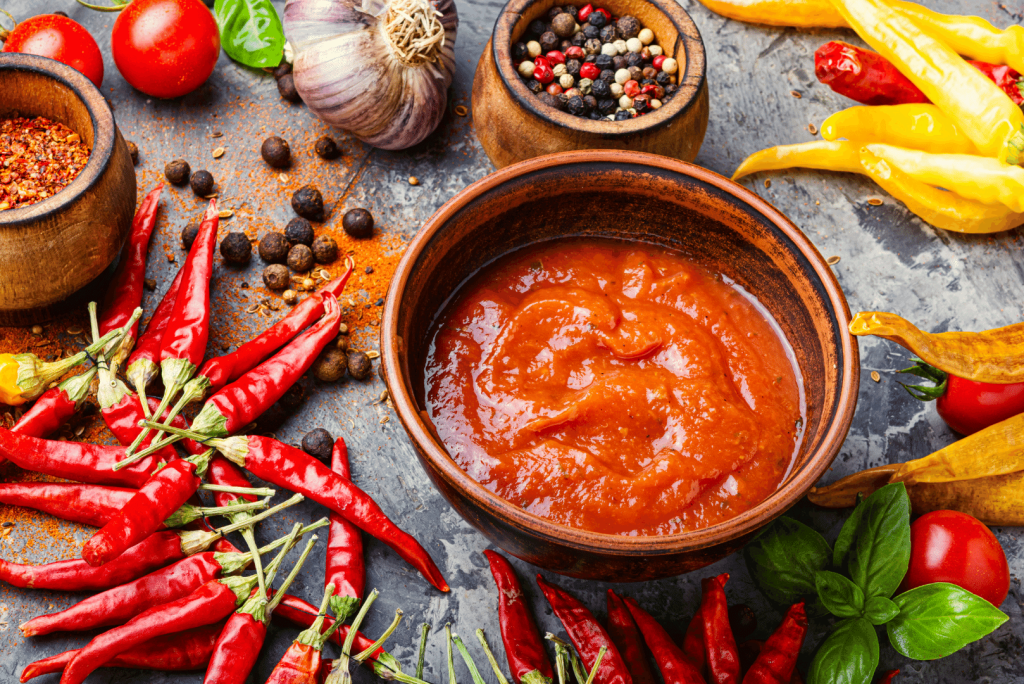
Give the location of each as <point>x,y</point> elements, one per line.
<point>615,387</point>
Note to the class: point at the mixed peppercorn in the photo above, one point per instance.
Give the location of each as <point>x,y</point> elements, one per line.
<point>38,159</point>
<point>590,64</point>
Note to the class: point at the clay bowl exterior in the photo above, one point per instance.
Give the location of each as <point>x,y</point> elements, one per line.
<point>656,200</point>
<point>53,249</point>
<point>513,125</point>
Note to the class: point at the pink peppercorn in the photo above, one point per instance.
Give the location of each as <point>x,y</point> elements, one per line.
<point>555,57</point>
<point>655,91</point>
<point>584,12</point>
<point>554,89</point>
<point>538,61</point>
<point>589,70</point>
<point>543,72</point>
<point>658,61</point>
<point>631,88</point>
<point>575,52</point>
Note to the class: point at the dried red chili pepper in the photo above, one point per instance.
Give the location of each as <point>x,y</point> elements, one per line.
<point>527,659</point>
<point>628,640</point>
<point>693,642</point>
<point>142,364</point>
<point>777,660</point>
<point>178,652</point>
<point>675,666</point>
<point>288,467</point>
<point>887,677</point>
<point>720,647</point>
<point>587,635</point>
<point>346,569</point>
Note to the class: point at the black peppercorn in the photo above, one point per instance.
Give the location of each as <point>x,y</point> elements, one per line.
<point>236,249</point>
<point>535,86</point>
<point>575,106</point>
<point>622,115</point>
<point>538,27</point>
<point>628,27</point>
<point>300,258</point>
<point>274,248</point>
<point>608,76</point>
<point>578,39</point>
<point>554,12</point>
<point>275,277</point>
<point>633,59</point>
<point>603,62</point>
<point>591,32</point>
<point>572,67</point>
<point>663,79</point>
<point>202,183</point>
<point>292,399</point>
<point>600,89</point>
<point>519,52</point>
<point>609,33</point>
<point>299,232</point>
<point>319,444</point>
<point>276,152</point>
<point>550,100</point>
<point>572,10</point>
<point>565,45</point>
<point>619,62</point>
<point>642,103</point>
<point>325,249</point>
<point>133,150</point>
<point>589,102</point>
<point>595,115</point>
<point>597,19</point>
<point>647,82</point>
<point>548,41</point>
<point>286,87</point>
<point>282,70</point>
<point>607,106</point>
<point>359,366</point>
<point>563,25</point>
<point>308,203</point>
<point>358,223</point>
<point>188,235</point>
<point>177,172</point>
<point>590,59</point>
<point>671,89</point>
<point>592,46</point>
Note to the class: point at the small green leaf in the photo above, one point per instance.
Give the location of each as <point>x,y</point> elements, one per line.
<point>250,32</point>
<point>783,558</point>
<point>879,555</point>
<point>847,534</point>
<point>838,594</point>
<point>879,610</point>
<point>848,656</point>
<point>938,619</point>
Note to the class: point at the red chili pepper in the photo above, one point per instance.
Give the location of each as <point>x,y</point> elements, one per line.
<point>587,635</point>
<point>54,407</point>
<point>777,660</point>
<point>122,410</point>
<point>675,666</point>
<point>722,656</point>
<point>345,565</point>
<point>627,638</point>
<point>178,652</point>
<point>224,472</point>
<point>302,662</point>
<point>302,613</point>
<point>693,642</point>
<point>142,364</point>
<point>527,659</point>
<point>81,503</point>
<point>124,293</point>
<point>887,677</point>
<point>208,604</point>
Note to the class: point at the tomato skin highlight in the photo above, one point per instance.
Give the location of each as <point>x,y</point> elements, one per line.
<point>968,406</point>
<point>949,546</point>
<point>165,48</point>
<point>59,38</point>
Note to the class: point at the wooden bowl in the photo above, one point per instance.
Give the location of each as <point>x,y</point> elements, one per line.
<point>643,197</point>
<point>55,248</point>
<point>513,125</point>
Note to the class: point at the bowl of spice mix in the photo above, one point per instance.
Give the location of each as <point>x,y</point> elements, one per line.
<point>621,74</point>
<point>67,187</point>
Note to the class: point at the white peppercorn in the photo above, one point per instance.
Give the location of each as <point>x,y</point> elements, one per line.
<point>646,36</point>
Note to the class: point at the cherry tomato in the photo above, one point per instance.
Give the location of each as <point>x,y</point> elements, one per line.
<point>968,406</point>
<point>949,546</point>
<point>59,38</point>
<point>165,48</point>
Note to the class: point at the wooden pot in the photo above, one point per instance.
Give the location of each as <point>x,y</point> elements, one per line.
<point>714,221</point>
<point>513,125</point>
<point>54,248</point>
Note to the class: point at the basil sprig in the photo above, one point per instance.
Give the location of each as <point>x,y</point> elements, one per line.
<point>855,582</point>
<point>250,32</point>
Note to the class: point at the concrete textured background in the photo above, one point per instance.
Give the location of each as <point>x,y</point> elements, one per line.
<point>889,261</point>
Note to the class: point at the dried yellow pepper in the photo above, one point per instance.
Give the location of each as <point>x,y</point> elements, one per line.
<point>805,13</point>
<point>917,126</point>
<point>984,112</point>
<point>828,156</point>
<point>990,356</point>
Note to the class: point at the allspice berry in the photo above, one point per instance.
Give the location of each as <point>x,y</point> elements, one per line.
<point>286,87</point>
<point>325,249</point>
<point>188,235</point>
<point>331,365</point>
<point>299,232</point>
<point>300,258</point>
<point>359,366</point>
<point>276,152</point>
<point>282,70</point>
<point>274,248</point>
<point>290,297</point>
<point>133,150</point>
<point>276,277</point>
<point>326,148</point>
<point>202,183</point>
<point>177,172</point>
<point>563,25</point>
<point>236,249</point>
<point>319,444</point>
<point>358,223</point>
<point>308,203</point>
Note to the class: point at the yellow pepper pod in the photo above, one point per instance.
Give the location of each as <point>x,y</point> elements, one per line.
<point>843,493</point>
<point>940,208</point>
<point>978,178</point>
<point>984,112</point>
<point>917,126</point>
<point>990,356</point>
<point>803,14</point>
<point>828,156</point>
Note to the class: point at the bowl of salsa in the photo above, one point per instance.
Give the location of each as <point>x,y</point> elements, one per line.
<point>616,365</point>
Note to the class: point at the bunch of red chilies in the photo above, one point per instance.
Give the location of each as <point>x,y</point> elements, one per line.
<point>170,596</point>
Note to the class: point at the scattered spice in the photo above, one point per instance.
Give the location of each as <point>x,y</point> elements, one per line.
<point>832,260</point>
<point>325,249</point>
<point>875,376</point>
<point>236,249</point>
<point>358,223</point>
<point>767,182</point>
<point>38,159</point>
<point>460,110</point>
<point>274,248</point>
<point>133,150</point>
<point>326,148</point>
<point>225,213</point>
<point>299,231</point>
<point>290,297</point>
<point>150,284</point>
<point>219,152</point>
<point>875,201</point>
<point>796,94</point>
<point>177,172</point>
<point>202,183</point>
<point>300,258</point>
<point>276,152</point>
<point>216,134</point>
<point>308,203</point>
<point>812,129</point>
<point>37,330</point>
<point>413,180</point>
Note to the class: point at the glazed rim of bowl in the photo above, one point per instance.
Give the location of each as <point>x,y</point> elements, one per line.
<point>103,137</point>
<point>690,80</point>
<point>747,522</point>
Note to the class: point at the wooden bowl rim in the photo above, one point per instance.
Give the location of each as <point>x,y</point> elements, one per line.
<point>691,80</point>
<point>104,136</point>
<point>749,521</point>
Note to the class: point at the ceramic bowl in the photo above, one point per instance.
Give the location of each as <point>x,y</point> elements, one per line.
<point>513,125</point>
<point>53,249</point>
<point>708,218</point>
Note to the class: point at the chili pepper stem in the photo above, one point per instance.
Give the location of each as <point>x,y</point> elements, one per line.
<point>372,648</point>
<point>340,673</point>
<point>561,656</point>
<point>288,541</point>
<point>188,513</point>
<point>276,564</point>
<point>597,664</point>
<point>464,652</point>
<point>140,390</point>
<point>424,632</point>
<point>231,489</point>
<point>490,657</point>
<point>257,562</point>
<point>177,433</point>
<point>194,390</point>
<point>234,527</point>
<point>450,654</point>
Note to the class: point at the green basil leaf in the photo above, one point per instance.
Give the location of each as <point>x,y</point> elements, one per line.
<point>848,656</point>
<point>783,558</point>
<point>846,536</point>
<point>838,594</point>
<point>938,619</point>
<point>879,610</point>
<point>879,555</point>
<point>250,32</point>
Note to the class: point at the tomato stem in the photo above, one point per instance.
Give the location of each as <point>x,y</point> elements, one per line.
<point>925,392</point>
<point>4,33</point>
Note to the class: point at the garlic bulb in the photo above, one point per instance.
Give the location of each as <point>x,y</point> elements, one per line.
<point>379,69</point>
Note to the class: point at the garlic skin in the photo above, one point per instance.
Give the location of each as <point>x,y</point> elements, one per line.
<point>349,72</point>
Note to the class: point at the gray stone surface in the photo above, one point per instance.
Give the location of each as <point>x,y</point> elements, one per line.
<point>890,261</point>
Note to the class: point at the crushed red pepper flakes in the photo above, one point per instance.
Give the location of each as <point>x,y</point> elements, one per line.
<point>38,159</point>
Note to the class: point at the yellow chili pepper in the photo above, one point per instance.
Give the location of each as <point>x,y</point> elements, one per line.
<point>979,178</point>
<point>828,156</point>
<point>940,208</point>
<point>990,356</point>
<point>917,126</point>
<point>805,13</point>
